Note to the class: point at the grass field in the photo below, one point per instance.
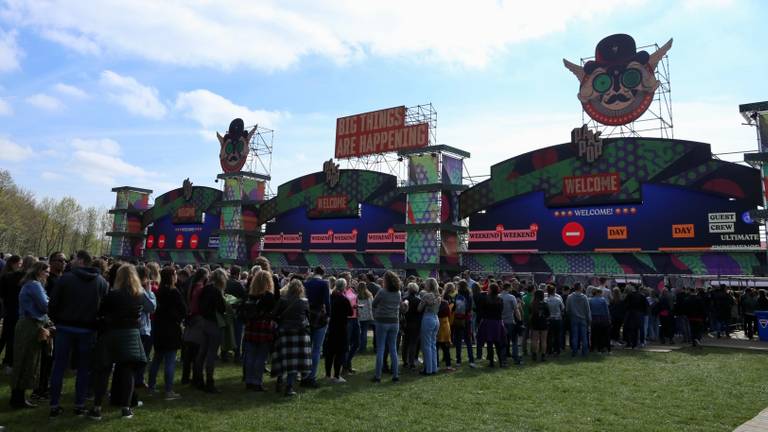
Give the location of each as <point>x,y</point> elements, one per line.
<point>686,390</point>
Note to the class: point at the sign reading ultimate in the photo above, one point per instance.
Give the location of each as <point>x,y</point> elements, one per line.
<point>378,132</point>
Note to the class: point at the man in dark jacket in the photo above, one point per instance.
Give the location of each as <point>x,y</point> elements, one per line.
<point>236,289</point>
<point>319,297</point>
<point>73,306</point>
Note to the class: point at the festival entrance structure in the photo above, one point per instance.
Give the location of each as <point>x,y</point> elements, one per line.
<point>615,205</point>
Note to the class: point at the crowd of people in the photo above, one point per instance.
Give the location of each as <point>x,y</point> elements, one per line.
<point>124,321</point>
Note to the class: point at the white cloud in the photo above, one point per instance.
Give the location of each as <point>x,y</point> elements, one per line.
<point>104,146</point>
<point>45,102</point>
<point>272,35</point>
<point>130,94</point>
<point>70,90</point>
<point>10,53</point>
<point>98,161</point>
<point>214,112</point>
<point>48,175</point>
<point>12,152</point>
<point>5,108</point>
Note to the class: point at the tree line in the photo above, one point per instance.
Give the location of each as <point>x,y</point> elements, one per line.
<point>29,226</point>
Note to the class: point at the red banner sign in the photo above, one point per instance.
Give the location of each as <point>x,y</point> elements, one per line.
<point>378,132</point>
<point>387,237</point>
<point>593,184</point>
<point>503,235</point>
<point>283,238</point>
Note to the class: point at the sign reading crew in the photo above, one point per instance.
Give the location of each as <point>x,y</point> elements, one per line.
<point>618,86</point>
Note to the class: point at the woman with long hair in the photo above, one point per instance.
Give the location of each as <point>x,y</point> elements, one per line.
<point>191,336</point>
<point>30,330</point>
<point>259,330</point>
<point>293,348</point>
<point>491,329</point>
<point>337,336</point>
<point>211,309</point>
<point>445,317</point>
<point>429,305</point>
<point>119,341</point>
<point>386,313</point>
<point>539,325</point>
<point>364,313</point>
<point>166,330</point>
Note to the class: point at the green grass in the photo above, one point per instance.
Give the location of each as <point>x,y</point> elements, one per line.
<point>686,390</point>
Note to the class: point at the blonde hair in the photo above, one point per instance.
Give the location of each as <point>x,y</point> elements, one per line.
<point>262,282</point>
<point>295,289</point>
<point>430,285</point>
<point>128,280</point>
<point>153,271</point>
<point>362,291</point>
<point>219,278</point>
<point>449,289</point>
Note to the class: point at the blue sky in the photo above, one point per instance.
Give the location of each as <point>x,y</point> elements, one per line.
<point>101,94</point>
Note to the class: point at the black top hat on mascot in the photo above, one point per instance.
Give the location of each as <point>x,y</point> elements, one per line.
<point>617,49</point>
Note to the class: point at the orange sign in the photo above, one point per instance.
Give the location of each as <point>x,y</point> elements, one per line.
<point>683,231</point>
<point>617,233</point>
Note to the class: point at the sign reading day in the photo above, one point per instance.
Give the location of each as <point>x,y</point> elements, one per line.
<point>380,131</point>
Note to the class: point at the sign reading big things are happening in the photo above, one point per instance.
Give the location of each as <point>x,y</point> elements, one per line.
<point>380,131</point>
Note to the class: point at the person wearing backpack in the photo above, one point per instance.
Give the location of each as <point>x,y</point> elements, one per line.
<point>461,326</point>
<point>510,315</point>
<point>539,326</point>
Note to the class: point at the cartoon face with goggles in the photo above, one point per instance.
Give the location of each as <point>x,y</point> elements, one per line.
<point>618,86</point>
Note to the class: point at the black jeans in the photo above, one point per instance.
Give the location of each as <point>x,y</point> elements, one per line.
<point>336,347</point>
<point>122,385</point>
<point>411,343</point>
<point>553,336</point>
<point>750,325</point>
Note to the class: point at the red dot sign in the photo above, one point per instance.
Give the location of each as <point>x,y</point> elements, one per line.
<point>193,241</point>
<point>573,234</point>
<point>150,241</point>
<point>161,241</point>
<point>179,241</point>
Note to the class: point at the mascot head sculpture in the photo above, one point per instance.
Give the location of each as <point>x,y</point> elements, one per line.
<point>235,145</point>
<point>617,86</point>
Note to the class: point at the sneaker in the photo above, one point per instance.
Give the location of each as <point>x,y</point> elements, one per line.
<point>473,365</point>
<point>126,413</point>
<point>94,413</point>
<point>172,395</point>
<point>340,380</point>
<point>56,412</point>
<point>375,380</point>
<point>449,369</point>
<point>139,404</point>
<point>395,379</point>
<point>80,411</point>
<point>309,383</point>
<point>290,392</point>
<point>38,396</point>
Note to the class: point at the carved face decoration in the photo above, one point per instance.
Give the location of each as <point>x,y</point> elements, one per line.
<point>235,146</point>
<point>618,86</point>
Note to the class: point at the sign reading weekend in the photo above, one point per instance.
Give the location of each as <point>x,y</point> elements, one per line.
<point>378,132</point>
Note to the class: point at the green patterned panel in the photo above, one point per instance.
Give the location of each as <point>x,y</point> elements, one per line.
<point>422,247</point>
<point>746,261</point>
<point>604,263</point>
<point>120,223</point>
<point>693,262</point>
<point>233,189</point>
<point>423,169</point>
<point>231,218</point>
<point>423,207</point>
<point>557,263</point>
<point>645,259</point>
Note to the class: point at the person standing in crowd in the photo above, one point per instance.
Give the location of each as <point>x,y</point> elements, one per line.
<point>539,325</point>
<point>236,289</point>
<point>149,276</point>
<point>565,328</point>
<point>166,331</point>
<point>461,327</point>
<point>73,307</point>
<point>556,309</point>
<point>748,306</point>
<point>445,317</point>
<point>319,300</point>
<point>696,310</point>
<point>364,313</point>
<point>577,308</point>
<point>601,322</point>
<point>31,329</point>
<point>10,286</point>
<point>721,311</point>
<point>119,341</point>
<point>412,331</point>
<point>429,306</point>
<point>491,329</point>
<point>386,314</point>
<point>259,328</point>
<point>618,312</point>
<point>636,306</point>
<point>57,262</point>
<point>337,336</point>
<point>211,307</point>
<point>478,297</point>
<point>192,334</point>
<point>353,324</point>
<point>528,290</point>
<point>652,319</point>
<point>293,353</point>
<point>762,301</point>
<point>681,315</point>
<point>666,317</point>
